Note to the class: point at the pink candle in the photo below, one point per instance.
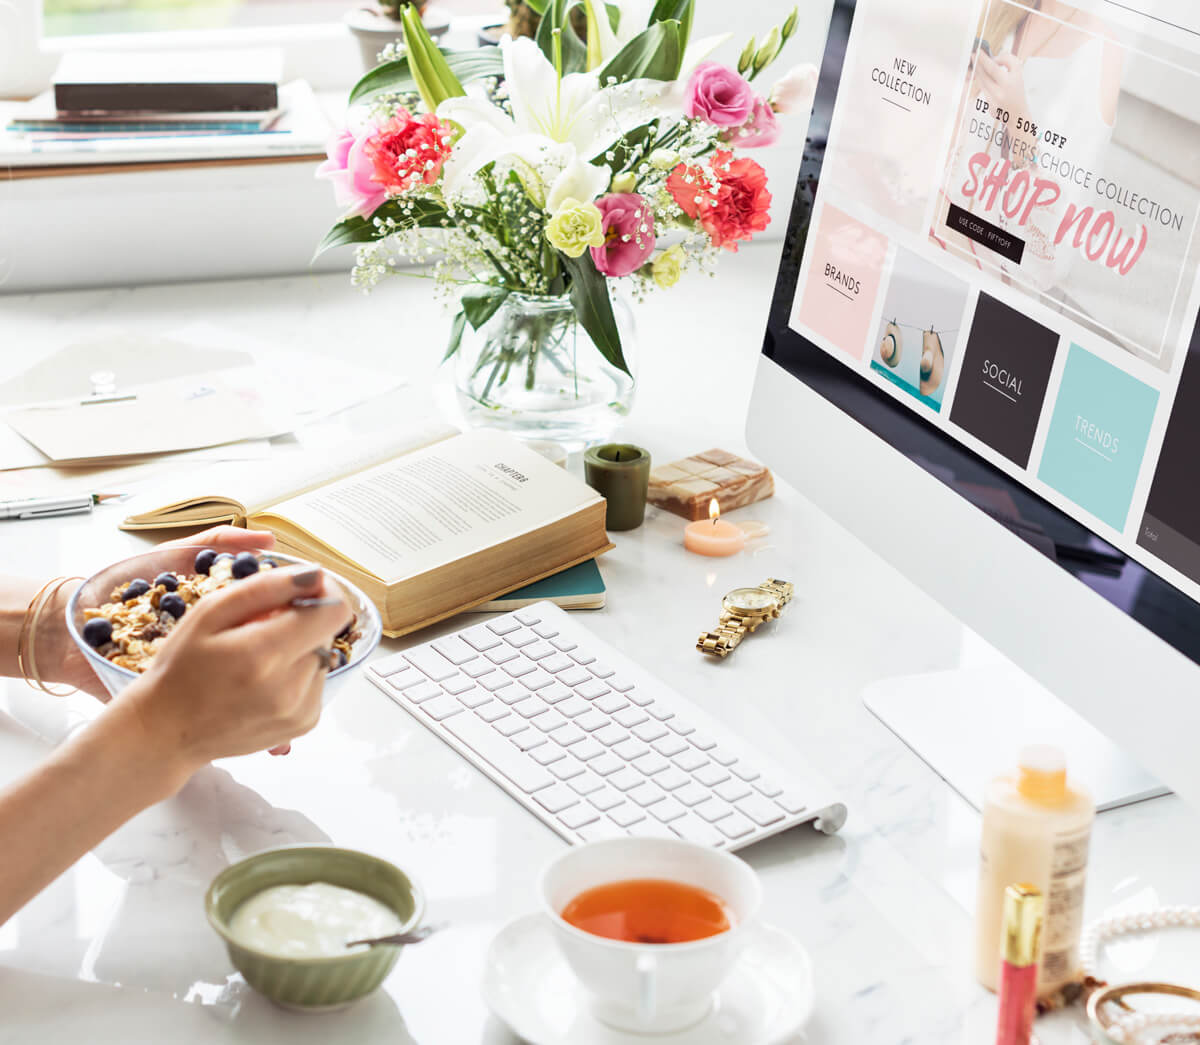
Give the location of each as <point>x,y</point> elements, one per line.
<point>712,536</point>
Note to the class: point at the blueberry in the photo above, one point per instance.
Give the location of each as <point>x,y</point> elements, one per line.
<point>97,632</point>
<point>223,555</point>
<point>167,580</point>
<point>204,560</point>
<point>245,564</point>
<point>134,588</point>
<point>172,604</point>
<point>269,563</point>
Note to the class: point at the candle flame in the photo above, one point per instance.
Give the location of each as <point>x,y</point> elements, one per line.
<point>714,510</point>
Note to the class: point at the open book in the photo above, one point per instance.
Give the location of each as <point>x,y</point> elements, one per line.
<point>449,522</point>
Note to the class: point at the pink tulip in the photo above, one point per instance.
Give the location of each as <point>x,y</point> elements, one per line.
<point>628,234</point>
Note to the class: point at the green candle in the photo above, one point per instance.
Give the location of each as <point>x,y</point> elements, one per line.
<point>621,474</point>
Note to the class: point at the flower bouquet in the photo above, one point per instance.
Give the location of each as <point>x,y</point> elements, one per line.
<point>529,181</point>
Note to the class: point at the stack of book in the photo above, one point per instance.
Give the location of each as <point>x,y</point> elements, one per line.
<point>118,108</point>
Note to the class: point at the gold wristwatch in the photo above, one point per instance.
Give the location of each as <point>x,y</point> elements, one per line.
<point>743,610</point>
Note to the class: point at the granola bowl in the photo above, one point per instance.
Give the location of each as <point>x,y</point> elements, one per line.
<point>99,589</point>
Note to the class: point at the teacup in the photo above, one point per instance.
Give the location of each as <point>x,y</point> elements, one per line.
<point>651,987</point>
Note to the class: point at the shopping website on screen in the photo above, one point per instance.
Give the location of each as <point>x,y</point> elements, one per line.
<point>1005,239</point>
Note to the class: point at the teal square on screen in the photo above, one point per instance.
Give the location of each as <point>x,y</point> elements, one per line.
<point>1097,436</point>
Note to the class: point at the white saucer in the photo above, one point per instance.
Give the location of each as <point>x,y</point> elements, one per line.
<point>527,984</point>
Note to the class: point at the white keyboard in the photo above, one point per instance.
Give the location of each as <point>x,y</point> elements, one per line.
<point>591,743</point>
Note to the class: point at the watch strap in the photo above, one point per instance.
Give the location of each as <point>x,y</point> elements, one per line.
<point>725,638</point>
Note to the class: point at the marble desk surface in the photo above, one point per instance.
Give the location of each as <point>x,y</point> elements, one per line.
<point>117,950</point>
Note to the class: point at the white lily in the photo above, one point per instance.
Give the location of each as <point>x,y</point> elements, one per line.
<point>549,113</point>
<point>632,17</point>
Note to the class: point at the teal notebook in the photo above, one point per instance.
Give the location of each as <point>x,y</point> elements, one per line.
<point>578,588</point>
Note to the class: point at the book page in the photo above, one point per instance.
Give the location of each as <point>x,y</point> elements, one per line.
<point>437,505</point>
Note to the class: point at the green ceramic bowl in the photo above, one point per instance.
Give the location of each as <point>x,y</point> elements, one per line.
<point>313,983</point>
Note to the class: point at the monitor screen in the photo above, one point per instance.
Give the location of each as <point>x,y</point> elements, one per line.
<point>991,264</point>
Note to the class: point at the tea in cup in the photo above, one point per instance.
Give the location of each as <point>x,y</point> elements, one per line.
<point>650,927</point>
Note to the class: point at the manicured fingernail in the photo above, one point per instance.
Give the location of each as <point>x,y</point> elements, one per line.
<point>308,604</point>
<point>307,578</point>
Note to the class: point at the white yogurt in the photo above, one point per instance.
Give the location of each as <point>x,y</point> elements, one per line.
<point>310,921</point>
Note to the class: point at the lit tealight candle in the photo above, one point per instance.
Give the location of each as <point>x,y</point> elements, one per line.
<point>713,537</point>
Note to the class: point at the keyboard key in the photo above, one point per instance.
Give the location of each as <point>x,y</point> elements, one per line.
<point>573,676</point>
<point>555,799</point>
<point>625,778</point>
<point>651,829</point>
<point>645,794</point>
<point>761,810</point>
<point>524,637</point>
<point>549,721</point>
<point>422,691</point>
<point>745,771</point>
<point>410,676</point>
<point>568,734</point>
<point>588,749</point>
<point>458,684</point>
<point>630,717</point>
<point>519,667</point>
<point>670,745</point>
<point>650,763</point>
<point>639,697</point>
<point>630,749</point>
<point>611,703</point>
<point>649,731</point>
<point>605,798</point>
<point>501,655</point>
<point>606,765</point>
<point>768,787</point>
<point>732,790</point>
<point>671,778</point>
<point>667,810</point>
<point>567,768</point>
<point>492,711</point>
<point>723,756</point>
<point>791,802</point>
<point>386,666</point>
<point>473,698</point>
<point>659,711</point>
<point>537,679</point>
<point>600,831</point>
<point>510,724</point>
<point>587,783</point>
<point>702,741</point>
<point>479,638</point>
<point>511,693</point>
<point>690,760</point>
<point>573,706</point>
<point>692,829</point>
<point>711,775</point>
<point>528,616</point>
<point>527,776</point>
<point>493,681</point>
<point>734,826</point>
<point>681,726</point>
<point>558,662</point>
<point>581,656</point>
<point>620,683</point>
<point>528,738</point>
<point>611,734</point>
<point>554,692</point>
<point>577,816</point>
<point>545,631</point>
<point>591,719</point>
<point>442,707</point>
<point>626,814</point>
<point>692,794</point>
<point>529,707</point>
<point>592,689</point>
<point>563,644</point>
<point>454,649</point>
<point>431,663</point>
<point>713,810</point>
<point>544,754</point>
<point>538,650</point>
<point>477,667</point>
<point>501,626</point>
<point>601,670</point>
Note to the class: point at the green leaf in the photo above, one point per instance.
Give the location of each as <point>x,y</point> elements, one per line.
<point>593,309</point>
<point>481,303</point>
<point>654,54</point>
<point>418,214</point>
<point>396,77</point>
<point>574,52</point>
<point>679,11</point>
<point>456,333</point>
<point>539,6</point>
<point>433,76</point>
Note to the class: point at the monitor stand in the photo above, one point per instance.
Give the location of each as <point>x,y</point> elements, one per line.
<point>969,724</point>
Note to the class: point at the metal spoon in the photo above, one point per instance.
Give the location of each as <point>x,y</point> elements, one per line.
<point>416,936</point>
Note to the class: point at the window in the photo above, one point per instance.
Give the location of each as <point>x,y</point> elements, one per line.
<point>88,17</point>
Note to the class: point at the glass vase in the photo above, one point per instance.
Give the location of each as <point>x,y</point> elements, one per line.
<point>533,372</point>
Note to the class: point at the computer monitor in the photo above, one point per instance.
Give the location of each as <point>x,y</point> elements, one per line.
<point>983,359</point>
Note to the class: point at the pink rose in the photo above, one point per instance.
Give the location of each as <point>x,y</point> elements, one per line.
<point>352,173</point>
<point>628,234</point>
<point>718,95</point>
<point>760,130</point>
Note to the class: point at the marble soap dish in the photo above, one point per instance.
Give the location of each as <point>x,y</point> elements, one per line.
<point>686,487</point>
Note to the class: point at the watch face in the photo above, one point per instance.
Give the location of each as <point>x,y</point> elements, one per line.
<point>749,600</point>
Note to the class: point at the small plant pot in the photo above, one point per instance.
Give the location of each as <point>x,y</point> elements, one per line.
<point>374,30</point>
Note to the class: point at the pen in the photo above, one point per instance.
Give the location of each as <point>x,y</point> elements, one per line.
<point>47,507</point>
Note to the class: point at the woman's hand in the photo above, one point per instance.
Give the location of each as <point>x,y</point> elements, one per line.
<point>1001,79</point>
<point>59,656</point>
<point>240,672</point>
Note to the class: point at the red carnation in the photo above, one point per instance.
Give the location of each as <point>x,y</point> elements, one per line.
<point>742,202</point>
<point>409,150</point>
<point>692,187</point>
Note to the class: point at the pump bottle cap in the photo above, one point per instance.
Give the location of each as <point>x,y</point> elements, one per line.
<point>1042,773</point>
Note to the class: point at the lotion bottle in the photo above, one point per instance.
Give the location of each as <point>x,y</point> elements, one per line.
<point>1036,829</point>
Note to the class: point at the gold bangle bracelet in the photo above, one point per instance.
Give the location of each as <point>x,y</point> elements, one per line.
<point>27,657</point>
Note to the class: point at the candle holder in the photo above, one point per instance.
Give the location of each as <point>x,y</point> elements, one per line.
<point>620,472</point>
